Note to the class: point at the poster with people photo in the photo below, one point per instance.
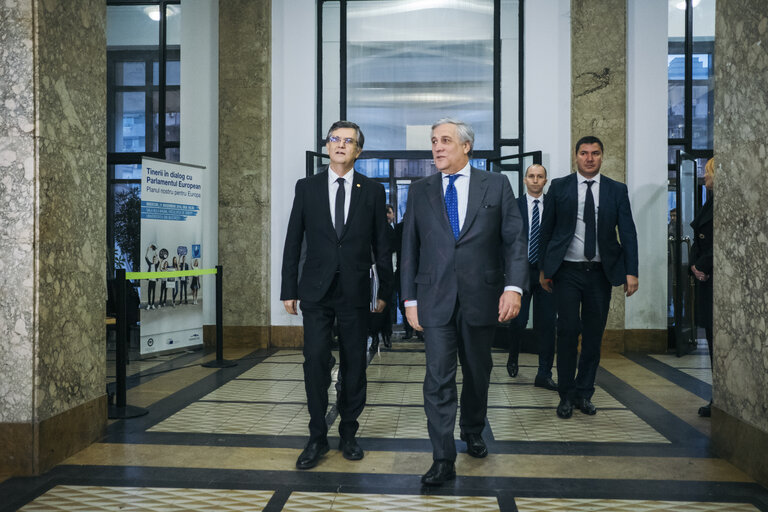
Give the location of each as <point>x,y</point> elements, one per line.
<point>171,241</point>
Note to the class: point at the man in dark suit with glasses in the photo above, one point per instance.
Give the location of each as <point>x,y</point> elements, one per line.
<point>339,214</point>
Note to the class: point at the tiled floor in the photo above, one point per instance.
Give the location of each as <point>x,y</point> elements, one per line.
<point>228,439</point>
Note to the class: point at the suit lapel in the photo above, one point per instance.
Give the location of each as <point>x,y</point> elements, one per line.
<point>436,201</point>
<point>523,201</point>
<point>477,188</point>
<point>325,205</point>
<point>605,197</point>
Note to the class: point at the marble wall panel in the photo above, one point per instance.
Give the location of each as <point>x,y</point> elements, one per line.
<point>244,160</point>
<point>740,376</point>
<point>17,206</point>
<point>598,93</point>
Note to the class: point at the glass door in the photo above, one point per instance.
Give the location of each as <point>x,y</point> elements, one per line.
<point>680,239</point>
<point>513,167</point>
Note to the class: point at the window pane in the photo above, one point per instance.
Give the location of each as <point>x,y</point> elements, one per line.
<point>331,65</point>
<point>373,167</point>
<point>510,69</point>
<point>130,122</point>
<point>133,25</point>
<point>409,64</point>
<point>172,116</point>
<point>172,154</point>
<point>130,73</point>
<point>128,172</point>
<point>173,25</point>
<point>414,168</point>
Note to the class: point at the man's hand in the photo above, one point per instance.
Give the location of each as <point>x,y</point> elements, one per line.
<point>509,305</point>
<point>412,314</point>
<point>380,305</point>
<point>290,306</point>
<point>544,282</point>
<point>631,285</point>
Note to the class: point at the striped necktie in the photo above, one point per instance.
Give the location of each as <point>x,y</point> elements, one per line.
<point>533,238</point>
<point>452,205</point>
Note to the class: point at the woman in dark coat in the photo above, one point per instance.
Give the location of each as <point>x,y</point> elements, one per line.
<point>701,265</point>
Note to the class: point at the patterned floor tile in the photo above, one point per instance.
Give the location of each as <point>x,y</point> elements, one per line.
<point>278,391</point>
<point>703,374</point>
<point>686,361</point>
<point>340,502</point>
<point>237,418</point>
<point>71,498</point>
<point>543,425</point>
<point>291,371</point>
<point>598,505</point>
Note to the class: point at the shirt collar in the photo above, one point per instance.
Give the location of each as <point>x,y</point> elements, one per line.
<point>332,176</point>
<point>581,179</point>
<point>463,172</point>
<point>531,199</point>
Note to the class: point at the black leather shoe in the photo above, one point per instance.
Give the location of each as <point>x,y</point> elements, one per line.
<point>545,382</point>
<point>586,406</point>
<point>706,410</point>
<point>420,335</point>
<point>408,335</point>
<point>512,369</point>
<point>387,339</point>
<point>475,445</point>
<point>440,472</point>
<point>350,449</point>
<point>311,454</point>
<point>564,408</point>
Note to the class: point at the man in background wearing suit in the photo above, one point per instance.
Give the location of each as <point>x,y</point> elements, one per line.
<point>531,207</point>
<point>340,216</point>
<point>464,268</point>
<point>581,259</point>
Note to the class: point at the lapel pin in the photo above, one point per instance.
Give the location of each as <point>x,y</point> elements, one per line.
<point>358,185</point>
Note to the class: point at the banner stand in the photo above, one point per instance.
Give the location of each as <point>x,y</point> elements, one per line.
<point>121,410</point>
<point>220,362</point>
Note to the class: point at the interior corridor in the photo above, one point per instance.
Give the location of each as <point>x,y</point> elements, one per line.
<point>227,439</point>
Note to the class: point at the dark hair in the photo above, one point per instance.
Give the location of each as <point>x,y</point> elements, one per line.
<point>589,139</point>
<point>347,124</point>
<point>388,207</point>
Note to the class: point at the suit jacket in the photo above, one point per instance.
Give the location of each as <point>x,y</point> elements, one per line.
<point>702,249</point>
<point>558,225</point>
<point>490,253</point>
<point>365,240</point>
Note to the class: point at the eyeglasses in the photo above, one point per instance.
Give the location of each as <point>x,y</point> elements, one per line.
<point>335,139</point>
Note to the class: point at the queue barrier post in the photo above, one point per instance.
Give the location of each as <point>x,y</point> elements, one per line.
<point>219,362</point>
<point>121,410</point>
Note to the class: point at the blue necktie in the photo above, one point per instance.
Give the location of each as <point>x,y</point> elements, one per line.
<point>589,223</point>
<point>452,205</point>
<point>533,239</point>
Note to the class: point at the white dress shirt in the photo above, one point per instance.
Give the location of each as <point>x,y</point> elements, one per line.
<point>333,187</point>
<point>576,249</point>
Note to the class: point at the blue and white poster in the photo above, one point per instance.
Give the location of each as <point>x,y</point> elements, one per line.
<point>171,241</point>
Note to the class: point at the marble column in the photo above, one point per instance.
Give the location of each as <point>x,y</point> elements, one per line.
<point>740,373</point>
<point>52,231</point>
<point>599,104</point>
<point>244,168</point>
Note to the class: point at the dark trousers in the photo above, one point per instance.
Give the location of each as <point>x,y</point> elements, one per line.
<point>582,298</point>
<point>318,325</point>
<point>151,287</point>
<point>473,346</point>
<point>544,317</point>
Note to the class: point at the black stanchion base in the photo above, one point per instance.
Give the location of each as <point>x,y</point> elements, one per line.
<point>223,363</point>
<point>128,411</point>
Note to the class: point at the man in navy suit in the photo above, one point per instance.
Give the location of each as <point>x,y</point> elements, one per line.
<point>464,269</point>
<point>580,259</point>
<point>531,207</point>
<point>339,215</point>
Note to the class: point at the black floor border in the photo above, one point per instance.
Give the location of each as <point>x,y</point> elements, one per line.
<point>679,378</point>
<point>21,491</point>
